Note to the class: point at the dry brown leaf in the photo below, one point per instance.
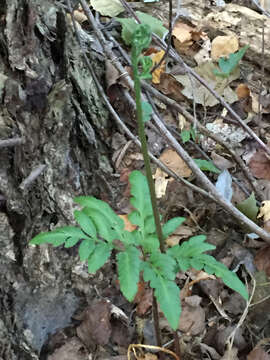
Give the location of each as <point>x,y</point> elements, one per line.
<point>149,356</point>
<point>192,318</point>
<point>223,46</point>
<point>259,165</point>
<point>171,87</point>
<point>194,90</point>
<point>72,349</point>
<point>258,354</point>
<point>175,163</point>
<point>221,162</point>
<point>242,91</point>
<point>182,122</point>
<point>111,74</point>
<point>145,302</point>
<point>182,32</point>
<point>262,260</point>
<point>95,327</point>
<point>182,232</point>
<point>184,36</point>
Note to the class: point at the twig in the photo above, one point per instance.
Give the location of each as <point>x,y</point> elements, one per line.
<point>32,177</point>
<point>11,142</point>
<point>230,339</point>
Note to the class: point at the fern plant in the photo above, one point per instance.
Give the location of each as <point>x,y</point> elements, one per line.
<point>100,230</point>
<point>100,227</point>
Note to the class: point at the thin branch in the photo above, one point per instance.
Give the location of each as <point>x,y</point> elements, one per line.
<point>230,339</point>
<point>35,173</point>
<point>11,142</point>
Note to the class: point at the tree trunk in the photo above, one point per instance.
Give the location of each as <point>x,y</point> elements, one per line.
<point>48,99</point>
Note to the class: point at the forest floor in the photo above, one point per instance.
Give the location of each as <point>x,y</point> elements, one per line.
<point>216,323</point>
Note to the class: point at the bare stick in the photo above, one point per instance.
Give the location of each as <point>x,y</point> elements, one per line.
<point>11,142</point>
<point>32,177</point>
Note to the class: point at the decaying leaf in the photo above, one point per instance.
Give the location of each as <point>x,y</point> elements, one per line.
<point>203,55</point>
<point>175,163</point>
<point>222,46</point>
<point>221,162</point>
<point>258,354</point>
<point>224,185</point>
<point>194,90</point>
<point>95,327</point>
<point>192,318</point>
<point>242,91</point>
<point>171,87</point>
<point>78,16</point>
<point>262,260</point>
<point>182,232</point>
<point>260,103</point>
<point>72,349</point>
<point>259,165</point>
<point>185,35</point>
<point>230,133</point>
<point>145,302</point>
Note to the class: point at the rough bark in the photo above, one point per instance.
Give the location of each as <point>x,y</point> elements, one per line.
<point>50,100</point>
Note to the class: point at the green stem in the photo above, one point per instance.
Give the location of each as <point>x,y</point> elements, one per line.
<point>146,158</point>
<point>137,88</point>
